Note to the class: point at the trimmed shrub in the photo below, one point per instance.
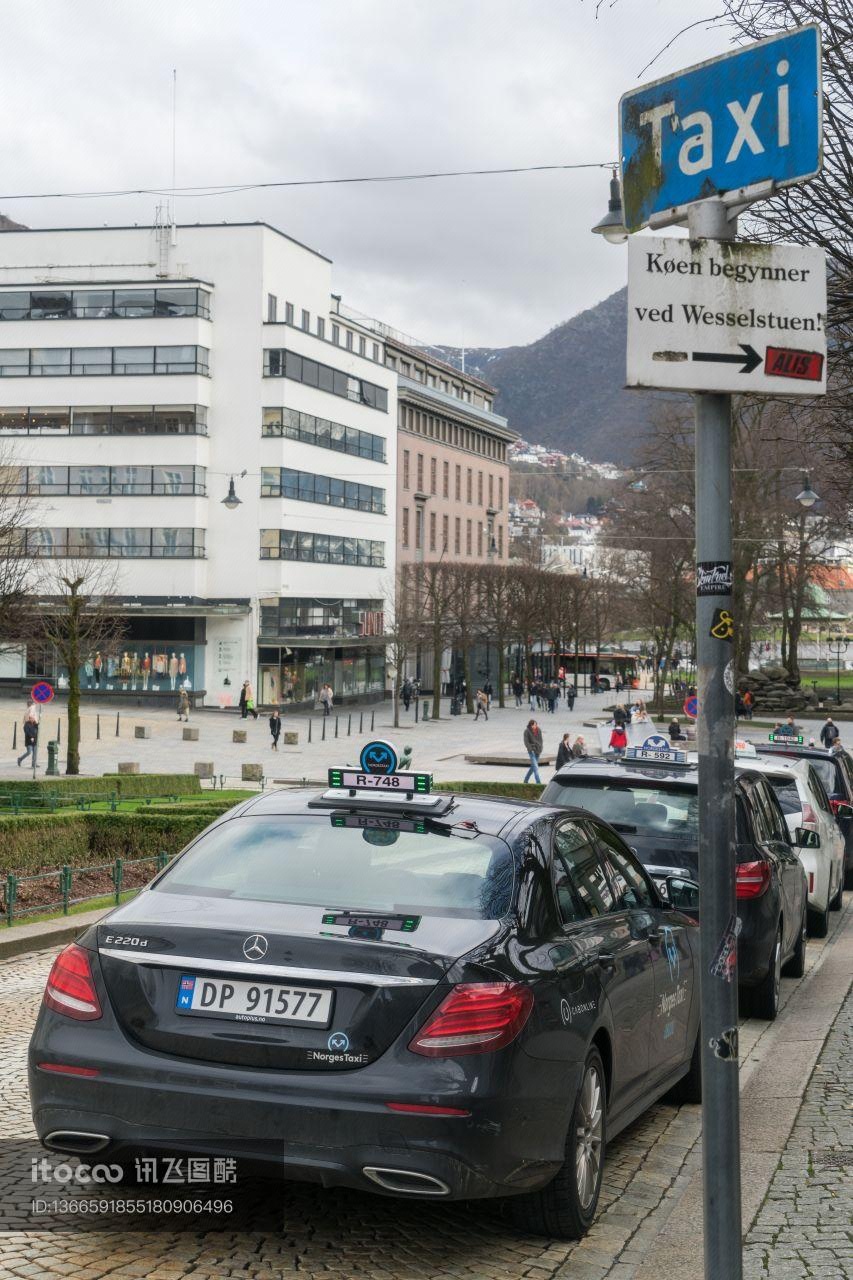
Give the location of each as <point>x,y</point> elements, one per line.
<point>504,790</point>
<point>125,786</point>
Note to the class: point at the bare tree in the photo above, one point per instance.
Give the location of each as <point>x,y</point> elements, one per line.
<point>496,619</point>
<point>436,594</point>
<point>402,627</point>
<point>76,614</point>
<point>16,571</point>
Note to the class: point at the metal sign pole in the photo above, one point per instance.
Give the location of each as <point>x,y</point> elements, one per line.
<point>716,728</point>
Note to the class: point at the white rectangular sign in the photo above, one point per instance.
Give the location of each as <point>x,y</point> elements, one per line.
<point>708,315</point>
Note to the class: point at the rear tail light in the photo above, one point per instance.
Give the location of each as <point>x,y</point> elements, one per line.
<point>476,1017</point>
<point>752,879</point>
<point>66,1069</point>
<point>811,882</point>
<point>809,818</point>
<point>71,987</point>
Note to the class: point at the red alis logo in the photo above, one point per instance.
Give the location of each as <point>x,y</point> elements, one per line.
<point>782,362</point>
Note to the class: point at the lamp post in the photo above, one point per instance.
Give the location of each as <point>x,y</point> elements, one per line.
<point>837,645</point>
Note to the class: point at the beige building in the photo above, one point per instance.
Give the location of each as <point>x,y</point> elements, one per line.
<point>452,469</point>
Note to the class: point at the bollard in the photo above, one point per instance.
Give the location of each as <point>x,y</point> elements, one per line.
<point>52,754</point>
<point>118,714</point>
<point>309,730</point>
<point>98,727</point>
<point>118,876</point>
<point>372,716</point>
<point>349,725</point>
<point>336,726</point>
<point>426,709</point>
<point>59,731</point>
<point>323,739</point>
<point>417,703</point>
<point>65,887</point>
<point>222,782</point>
<point>15,736</point>
<point>361,723</point>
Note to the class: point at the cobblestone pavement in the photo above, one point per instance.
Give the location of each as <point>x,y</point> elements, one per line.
<point>803,1228</point>
<point>649,1173</point>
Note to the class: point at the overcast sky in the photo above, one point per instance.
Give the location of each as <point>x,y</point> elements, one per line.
<point>275,89</point>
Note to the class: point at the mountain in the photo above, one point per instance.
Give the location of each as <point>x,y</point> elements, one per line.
<point>566,389</point>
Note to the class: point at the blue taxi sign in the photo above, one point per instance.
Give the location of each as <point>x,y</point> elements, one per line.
<point>747,122</point>
<point>379,757</point>
<point>657,748</point>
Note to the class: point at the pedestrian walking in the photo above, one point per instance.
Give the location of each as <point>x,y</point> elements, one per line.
<point>482,700</point>
<point>618,740</point>
<point>488,690</point>
<point>518,690</point>
<point>183,705</point>
<point>327,699</point>
<point>531,694</point>
<point>747,704</point>
<point>275,727</point>
<point>579,748</point>
<point>406,693</point>
<point>244,710</point>
<point>250,709</point>
<point>829,732</point>
<point>31,737</point>
<point>564,752</point>
<point>533,747</point>
<point>571,694</point>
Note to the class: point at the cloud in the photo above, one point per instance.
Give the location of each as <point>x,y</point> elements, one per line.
<point>337,88</point>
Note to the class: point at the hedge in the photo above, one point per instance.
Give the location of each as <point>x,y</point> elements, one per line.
<point>127,786</point>
<point>36,843</point>
<point>505,790</point>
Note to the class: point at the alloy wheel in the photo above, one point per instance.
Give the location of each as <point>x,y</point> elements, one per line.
<point>590,1125</point>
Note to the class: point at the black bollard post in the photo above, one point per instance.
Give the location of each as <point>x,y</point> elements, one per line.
<point>372,717</point>
<point>59,731</point>
<point>336,726</point>
<point>349,725</point>
<point>118,714</point>
<point>361,723</point>
<point>309,730</point>
<point>417,704</point>
<point>15,736</point>
<point>323,739</point>
<point>98,727</point>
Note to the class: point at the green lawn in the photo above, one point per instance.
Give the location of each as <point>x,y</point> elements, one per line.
<point>137,804</point>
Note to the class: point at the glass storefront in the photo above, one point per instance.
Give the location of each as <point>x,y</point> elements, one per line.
<point>156,655</point>
<point>293,677</point>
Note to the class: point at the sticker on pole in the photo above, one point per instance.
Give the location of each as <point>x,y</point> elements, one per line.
<point>709,315</point>
<point>691,706</point>
<point>714,578</point>
<point>42,692</point>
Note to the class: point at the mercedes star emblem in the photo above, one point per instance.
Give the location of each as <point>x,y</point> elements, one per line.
<point>255,948</point>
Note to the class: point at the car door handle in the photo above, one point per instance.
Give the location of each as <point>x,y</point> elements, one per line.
<point>606,959</point>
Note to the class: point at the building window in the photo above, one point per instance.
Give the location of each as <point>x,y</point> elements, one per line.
<point>336,334</point>
<point>304,615</point>
<point>432,525</point>
<point>98,361</point>
<point>500,541</point>
<point>457,537</point>
<point>479,488</point>
<point>445,479</point>
<point>321,328</point>
<point>362,346</point>
<point>305,486</point>
<point>99,304</point>
<point>419,527</point>
<point>306,320</point>
<point>272,308</point>
<point>433,476</point>
<point>349,339</point>
<point>420,473</point>
<point>458,483</point>
<point>117,544</point>
<point>376,352</point>
<point>468,532</point>
<point>479,539</point>
<point>445,532</point>
<point>280,363</point>
<point>405,468</point>
<point>405,526</point>
<point>491,490</point>
<point>58,481</point>
<point>500,493</point>
<point>322,432</point>
<point>288,313</point>
<point>321,548</point>
<point>469,485</point>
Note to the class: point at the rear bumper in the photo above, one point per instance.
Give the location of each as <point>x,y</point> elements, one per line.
<point>325,1127</point>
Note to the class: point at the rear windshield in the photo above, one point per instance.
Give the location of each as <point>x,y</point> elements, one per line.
<point>633,808</point>
<point>308,861</point>
<point>787,795</point>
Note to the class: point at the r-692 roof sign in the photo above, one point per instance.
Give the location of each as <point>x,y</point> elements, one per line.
<point>733,124</point>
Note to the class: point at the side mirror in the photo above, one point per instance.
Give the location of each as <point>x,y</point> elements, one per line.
<point>683,895</point>
<point>841,808</point>
<point>806,839</point>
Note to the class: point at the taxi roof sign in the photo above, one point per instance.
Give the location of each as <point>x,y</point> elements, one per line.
<point>792,739</point>
<point>744,748</point>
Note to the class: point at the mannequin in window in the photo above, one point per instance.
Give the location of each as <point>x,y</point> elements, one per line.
<point>124,670</point>
<point>134,669</point>
<point>173,669</point>
<point>96,663</point>
<point>182,665</point>
<point>89,668</point>
<point>146,670</point>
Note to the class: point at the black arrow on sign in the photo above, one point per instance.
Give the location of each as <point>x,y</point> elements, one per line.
<point>750,358</point>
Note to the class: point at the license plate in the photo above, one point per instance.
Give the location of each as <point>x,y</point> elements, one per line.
<point>254,1001</point>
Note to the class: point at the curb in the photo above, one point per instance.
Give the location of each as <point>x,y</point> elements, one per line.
<point>18,939</point>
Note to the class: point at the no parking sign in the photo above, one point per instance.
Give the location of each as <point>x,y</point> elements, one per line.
<point>691,706</point>
<point>42,692</point>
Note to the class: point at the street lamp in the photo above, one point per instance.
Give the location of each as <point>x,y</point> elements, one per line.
<point>611,225</point>
<point>231,501</point>
<point>837,645</point>
<point>807,496</point>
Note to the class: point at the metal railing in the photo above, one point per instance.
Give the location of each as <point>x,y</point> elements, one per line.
<point>64,879</point>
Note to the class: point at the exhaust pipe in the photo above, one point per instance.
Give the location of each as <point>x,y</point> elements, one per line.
<point>406,1181</point>
<point>75,1141</point>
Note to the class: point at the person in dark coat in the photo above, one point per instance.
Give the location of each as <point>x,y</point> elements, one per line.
<point>620,716</point>
<point>406,692</point>
<point>533,747</point>
<point>571,694</point>
<point>675,734</point>
<point>829,732</point>
<point>31,738</point>
<point>275,727</point>
<point>564,751</point>
<point>518,690</point>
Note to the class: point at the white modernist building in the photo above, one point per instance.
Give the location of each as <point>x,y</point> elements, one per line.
<point>141,368</point>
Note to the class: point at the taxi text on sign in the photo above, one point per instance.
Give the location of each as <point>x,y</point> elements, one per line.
<point>708,315</point>
<point>747,118</point>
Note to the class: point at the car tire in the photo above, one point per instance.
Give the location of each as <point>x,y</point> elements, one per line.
<point>796,966</point>
<point>836,903</point>
<point>565,1209</point>
<point>818,923</point>
<point>848,877</point>
<point>764,999</point>
<point>689,1088</point>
